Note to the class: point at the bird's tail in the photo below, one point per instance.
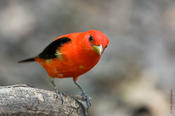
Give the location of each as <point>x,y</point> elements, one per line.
<point>27,60</point>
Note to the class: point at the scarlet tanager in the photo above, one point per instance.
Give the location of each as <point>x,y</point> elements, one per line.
<point>72,55</point>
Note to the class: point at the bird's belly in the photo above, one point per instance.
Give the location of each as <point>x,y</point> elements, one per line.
<point>59,69</point>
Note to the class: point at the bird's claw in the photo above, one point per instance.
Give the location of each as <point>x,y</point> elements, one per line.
<point>61,95</point>
<point>87,99</point>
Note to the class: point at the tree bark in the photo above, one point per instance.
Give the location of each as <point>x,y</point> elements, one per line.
<point>22,100</point>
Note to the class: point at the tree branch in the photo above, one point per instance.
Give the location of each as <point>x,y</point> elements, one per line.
<point>23,100</point>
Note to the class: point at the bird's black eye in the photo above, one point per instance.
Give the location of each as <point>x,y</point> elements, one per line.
<point>90,38</point>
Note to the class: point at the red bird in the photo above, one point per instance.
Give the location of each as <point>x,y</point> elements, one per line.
<point>72,55</point>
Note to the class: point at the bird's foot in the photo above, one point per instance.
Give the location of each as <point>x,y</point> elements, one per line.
<point>61,95</point>
<point>87,99</point>
<point>84,101</point>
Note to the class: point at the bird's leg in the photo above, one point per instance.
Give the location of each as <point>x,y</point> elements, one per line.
<point>84,95</point>
<point>51,80</point>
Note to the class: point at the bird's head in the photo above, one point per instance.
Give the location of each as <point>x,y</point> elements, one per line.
<point>97,41</point>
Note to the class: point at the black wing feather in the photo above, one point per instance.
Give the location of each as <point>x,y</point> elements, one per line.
<point>50,51</point>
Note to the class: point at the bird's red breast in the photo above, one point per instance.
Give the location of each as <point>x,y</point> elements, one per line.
<point>73,54</point>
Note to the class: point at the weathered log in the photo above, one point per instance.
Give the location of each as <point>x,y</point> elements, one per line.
<point>22,100</point>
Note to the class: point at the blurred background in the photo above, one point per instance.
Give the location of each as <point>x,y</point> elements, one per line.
<point>134,76</point>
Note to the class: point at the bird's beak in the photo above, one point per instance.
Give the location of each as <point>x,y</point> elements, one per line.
<point>98,49</point>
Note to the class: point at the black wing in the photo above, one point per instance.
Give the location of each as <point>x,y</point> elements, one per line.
<point>50,51</point>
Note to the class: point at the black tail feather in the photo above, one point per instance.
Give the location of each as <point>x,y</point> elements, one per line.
<point>27,60</point>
